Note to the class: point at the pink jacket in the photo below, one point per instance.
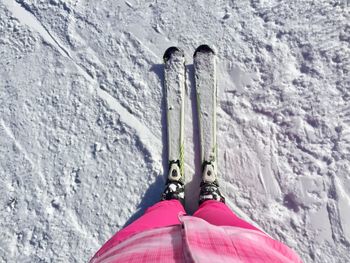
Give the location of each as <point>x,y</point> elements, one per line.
<point>195,240</point>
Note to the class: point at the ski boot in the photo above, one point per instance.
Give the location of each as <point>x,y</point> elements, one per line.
<point>209,185</point>
<point>174,188</point>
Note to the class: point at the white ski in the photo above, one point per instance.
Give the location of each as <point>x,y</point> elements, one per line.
<point>206,90</point>
<point>174,74</point>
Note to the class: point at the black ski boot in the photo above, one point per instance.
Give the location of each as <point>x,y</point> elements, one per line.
<point>209,185</point>
<point>174,188</point>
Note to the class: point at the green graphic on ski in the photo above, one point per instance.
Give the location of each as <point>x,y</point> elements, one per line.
<point>206,91</point>
<point>174,83</point>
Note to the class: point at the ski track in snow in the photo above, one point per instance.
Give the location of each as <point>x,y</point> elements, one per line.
<point>82,119</point>
<point>152,143</point>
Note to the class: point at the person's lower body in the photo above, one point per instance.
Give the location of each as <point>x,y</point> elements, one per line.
<point>165,213</point>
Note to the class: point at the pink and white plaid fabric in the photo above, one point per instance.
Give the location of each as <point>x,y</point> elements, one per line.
<point>195,240</point>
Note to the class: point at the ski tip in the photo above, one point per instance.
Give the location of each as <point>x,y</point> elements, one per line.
<point>203,48</point>
<point>169,52</point>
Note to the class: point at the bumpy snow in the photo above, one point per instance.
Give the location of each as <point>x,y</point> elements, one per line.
<point>82,119</point>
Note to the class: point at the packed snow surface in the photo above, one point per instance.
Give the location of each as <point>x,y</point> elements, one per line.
<point>83,119</point>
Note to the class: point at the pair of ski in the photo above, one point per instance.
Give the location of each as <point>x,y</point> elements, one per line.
<point>206,92</point>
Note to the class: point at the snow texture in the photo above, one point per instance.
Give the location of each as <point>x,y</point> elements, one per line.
<point>83,119</point>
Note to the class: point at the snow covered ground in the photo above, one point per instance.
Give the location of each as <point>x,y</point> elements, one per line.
<point>82,119</point>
